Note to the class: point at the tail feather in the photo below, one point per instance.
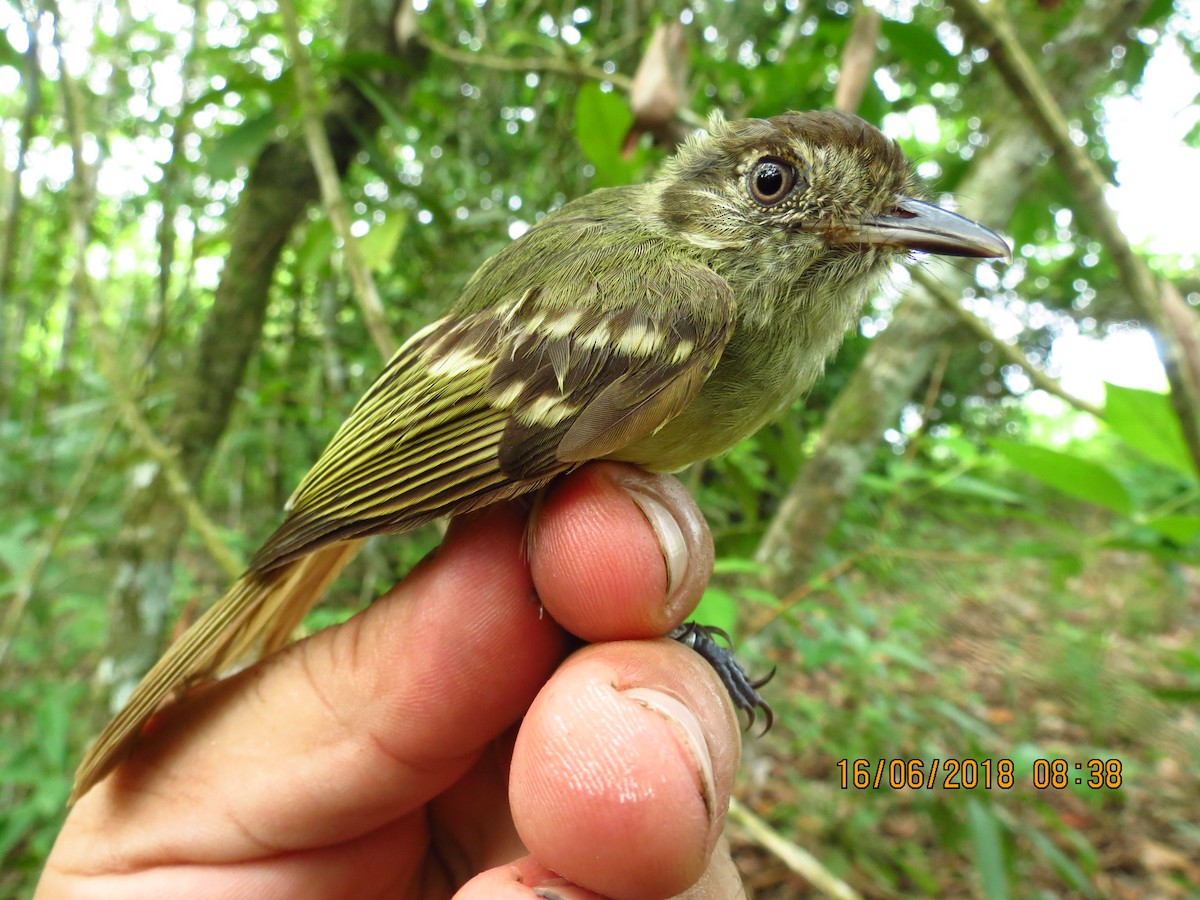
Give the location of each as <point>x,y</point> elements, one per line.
<point>255,618</point>
<point>275,619</point>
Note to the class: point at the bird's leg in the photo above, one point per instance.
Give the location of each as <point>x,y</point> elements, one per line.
<point>742,689</point>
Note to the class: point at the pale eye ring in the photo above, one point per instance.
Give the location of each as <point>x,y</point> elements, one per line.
<point>770,181</point>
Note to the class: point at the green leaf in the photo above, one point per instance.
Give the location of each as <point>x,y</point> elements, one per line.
<point>968,486</point>
<point>601,122</point>
<point>717,607</point>
<point>1073,476</point>
<point>388,110</point>
<point>1180,529</point>
<point>1062,863</point>
<point>737,565</point>
<point>988,838</point>
<point>315,250</point>
<point>241,145</point>
<point>379,244</point>
<point>1146,421</point>
<point>16,547</point>
<point>916,44</point>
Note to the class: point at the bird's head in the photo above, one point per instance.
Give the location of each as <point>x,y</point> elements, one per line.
<point>817,193</point>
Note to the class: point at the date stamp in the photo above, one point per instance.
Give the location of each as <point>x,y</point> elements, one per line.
<point>969,774</point>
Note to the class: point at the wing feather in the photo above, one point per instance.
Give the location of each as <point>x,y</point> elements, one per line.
<point>483,405</point>
<point>494,403</point>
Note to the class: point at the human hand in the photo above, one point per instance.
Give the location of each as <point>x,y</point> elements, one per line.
<point>434,742</point>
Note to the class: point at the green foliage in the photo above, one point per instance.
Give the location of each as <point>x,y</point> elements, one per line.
<point>959,635</point>
<point>1075,477</point>
<point>1146,422</point>
<point>990,853</point>
<point>601,120</point>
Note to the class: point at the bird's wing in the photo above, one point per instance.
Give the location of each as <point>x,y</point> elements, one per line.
<point>487,405</point>
<point>472,409</point>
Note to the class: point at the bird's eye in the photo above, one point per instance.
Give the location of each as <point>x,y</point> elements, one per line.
<point>770,181</point>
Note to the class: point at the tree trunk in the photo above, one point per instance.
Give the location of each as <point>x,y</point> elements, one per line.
<point>277,193</point>
<point>900,358</point>
<point>11,326</point>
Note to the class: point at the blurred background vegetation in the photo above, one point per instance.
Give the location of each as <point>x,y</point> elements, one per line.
<point>963,546</point>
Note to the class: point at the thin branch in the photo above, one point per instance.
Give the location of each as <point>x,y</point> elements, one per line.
<point>858,59</point>
<point>174,174</point>
<point>106,356</point>
<point>837,570</point>
<point>790,854</point>
<point>331,187</point>
<point>166,457</point>
<point>571,68</point>
<point>932,393</point>
<point>576,69</point>
<point>1176,325</point>
<point>28,580</point>
<point>31,81</point>
<point>949,556</point>
<point>1036,373</point>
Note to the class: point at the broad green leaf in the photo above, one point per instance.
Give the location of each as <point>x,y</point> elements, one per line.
<point>601,121</point>
<point>315,250</point>
<point>717,607</point>
<point>240,146</point>
<point>1192,138</point>
<point>916,45</point>
<point>968,486</point>
<point>1180,529</point>
<point>379,244</point>
<point>1146,421</point>
<point>1073,476</point>
<point>16,548</point>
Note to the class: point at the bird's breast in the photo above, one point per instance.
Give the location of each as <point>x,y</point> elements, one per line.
<point>759,375</point>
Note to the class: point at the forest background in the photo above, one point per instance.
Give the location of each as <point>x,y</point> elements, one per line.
<point>946,553</point>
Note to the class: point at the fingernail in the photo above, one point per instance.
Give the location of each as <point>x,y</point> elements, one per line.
<point>679,528</point>
<point>688,727</point>
<point>669,534</point>
<point>549,893</point>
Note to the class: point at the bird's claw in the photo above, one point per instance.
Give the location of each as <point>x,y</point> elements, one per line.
<point>742,689</point>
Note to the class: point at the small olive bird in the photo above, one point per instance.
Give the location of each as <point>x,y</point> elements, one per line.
<point>658,324</point>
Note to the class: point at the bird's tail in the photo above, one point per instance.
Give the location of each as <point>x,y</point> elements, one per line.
<point>256,617</point>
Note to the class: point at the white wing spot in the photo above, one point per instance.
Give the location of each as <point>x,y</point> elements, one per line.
<point>639,340</point>
<point>563,324</point>
<point>509,395</point>
<point>547,411</point>
<point>534,324</point>
<point>598,338</point>
<point>507,311</point>
<point>458,361</point>
<point>682,351</point>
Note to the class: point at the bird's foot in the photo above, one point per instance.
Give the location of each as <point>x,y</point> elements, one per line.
<point>743,690</point>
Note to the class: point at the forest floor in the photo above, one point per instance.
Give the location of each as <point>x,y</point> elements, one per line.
<point>981,660</point>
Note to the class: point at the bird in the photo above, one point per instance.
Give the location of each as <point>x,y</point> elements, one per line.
<point>656,324</point>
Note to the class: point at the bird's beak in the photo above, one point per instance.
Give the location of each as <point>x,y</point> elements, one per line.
<point>916,225</point>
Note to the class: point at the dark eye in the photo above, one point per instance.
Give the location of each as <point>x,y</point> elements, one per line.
<point>770,181</point>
